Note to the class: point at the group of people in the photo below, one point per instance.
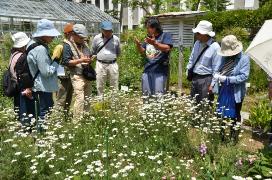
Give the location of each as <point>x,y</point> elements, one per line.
<point>219,69</point>
<point>212,68</point>
<point>63,71</point>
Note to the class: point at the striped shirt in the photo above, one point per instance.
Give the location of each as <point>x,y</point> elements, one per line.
<point>228,67</point>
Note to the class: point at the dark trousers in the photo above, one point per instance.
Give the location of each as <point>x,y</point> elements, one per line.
<point>65,93</point>
<point>44,103</point>
<point>16,104</point>
<point>234,134</point>
<point>26,109</point>
<point>200,88</point>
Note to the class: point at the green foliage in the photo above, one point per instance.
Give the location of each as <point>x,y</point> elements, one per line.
<point>261,115</point>
<point>6,45</point>
<point>250,19</point>
<point>263,165</point>
<point>241,34</point>
<point>120,137</point>
<point>215,5</point>
<point>211,5</point>
<point>257,78</point>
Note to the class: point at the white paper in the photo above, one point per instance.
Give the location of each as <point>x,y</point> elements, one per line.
<point>60,71</point>
<point>124,88</point>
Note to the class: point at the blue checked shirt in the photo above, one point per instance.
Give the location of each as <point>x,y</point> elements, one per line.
<point>39,59</point>
<point>238,77</point>
<point>209,59</point>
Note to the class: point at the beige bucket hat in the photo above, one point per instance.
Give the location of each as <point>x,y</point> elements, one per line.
<point>230,46</point>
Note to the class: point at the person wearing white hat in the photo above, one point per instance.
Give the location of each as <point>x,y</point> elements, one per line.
<point>20,40</point>
<point>202,61</point>
<point>42,67</point>
<point>230,79</point>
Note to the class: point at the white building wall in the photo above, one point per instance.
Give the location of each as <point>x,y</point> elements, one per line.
<point>131,18</point>
<point>243,4</point>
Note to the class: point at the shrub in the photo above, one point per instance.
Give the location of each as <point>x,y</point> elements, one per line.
<point>261,115</point>
<point>241,34</point>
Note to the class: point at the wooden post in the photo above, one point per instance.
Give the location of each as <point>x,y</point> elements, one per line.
<point>181,57</point>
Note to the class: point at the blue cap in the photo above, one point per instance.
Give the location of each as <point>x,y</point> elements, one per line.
<point>46,28</point>
<point>106,25</point>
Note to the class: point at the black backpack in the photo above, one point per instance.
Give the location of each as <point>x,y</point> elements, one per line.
<point>10,87</point>
<point>24,77</point>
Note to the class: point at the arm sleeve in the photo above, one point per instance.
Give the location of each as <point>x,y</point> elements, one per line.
<point>216,63</point>
<point>44,63</point>
<point>243,72</point>
<point>118,50</point>
<point>94,46</point>
<point>67,54</point>
<point>144,45</point>
<point>167,39</point>
<point>57,52</point>
<point>190,62</point>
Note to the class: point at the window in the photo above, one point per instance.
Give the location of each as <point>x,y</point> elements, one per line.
<point>106,4</point>
<point>97,3</point>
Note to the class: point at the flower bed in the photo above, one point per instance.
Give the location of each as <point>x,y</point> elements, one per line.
<point>123,138</point>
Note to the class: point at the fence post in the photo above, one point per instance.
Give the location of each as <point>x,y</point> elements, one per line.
<point>181,58</point>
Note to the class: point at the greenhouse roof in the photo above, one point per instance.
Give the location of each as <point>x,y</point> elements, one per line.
<point>58,10</point>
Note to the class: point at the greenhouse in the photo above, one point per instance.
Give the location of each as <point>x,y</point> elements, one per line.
<point>22,15</point>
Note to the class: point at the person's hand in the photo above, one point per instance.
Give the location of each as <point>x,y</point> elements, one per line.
<point>210,88</point>
<point>222,78</point>
<point>85,59</point>
<point>151,41</point>
<point>137,41</point>
<point>28,93</point>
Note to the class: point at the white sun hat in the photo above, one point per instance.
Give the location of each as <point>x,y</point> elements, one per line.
<point>20,39</point>
<point>230,46</point>
<point>204,27</point>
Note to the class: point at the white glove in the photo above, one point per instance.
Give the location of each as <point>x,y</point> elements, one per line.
<point>222,78</point>
<point>216,76</point>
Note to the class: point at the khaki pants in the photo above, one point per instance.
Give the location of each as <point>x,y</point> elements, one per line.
<point>65,93</point>
<point>82,92</point>
<point>102,72</point>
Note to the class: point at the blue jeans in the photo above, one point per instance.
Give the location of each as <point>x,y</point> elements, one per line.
<point>153,83</point>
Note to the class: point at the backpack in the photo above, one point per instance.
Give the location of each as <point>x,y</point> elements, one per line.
<point>24,77</point>
<point>10,87</point>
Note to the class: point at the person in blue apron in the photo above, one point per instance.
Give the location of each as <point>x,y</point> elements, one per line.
<point>156,48</point>
<point>229,81</point>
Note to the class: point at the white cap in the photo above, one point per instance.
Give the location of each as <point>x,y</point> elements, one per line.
<point>230,46</point>
<point>20,39</point>
<point>204,27</point>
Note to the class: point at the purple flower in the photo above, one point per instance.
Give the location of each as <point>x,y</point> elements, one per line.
<point>239,162</point>
<point>203,149</point>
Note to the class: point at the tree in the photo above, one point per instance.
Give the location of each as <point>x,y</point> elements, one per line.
<point>215,5</point>
<point>262,2</point>
<point>211,5</point>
